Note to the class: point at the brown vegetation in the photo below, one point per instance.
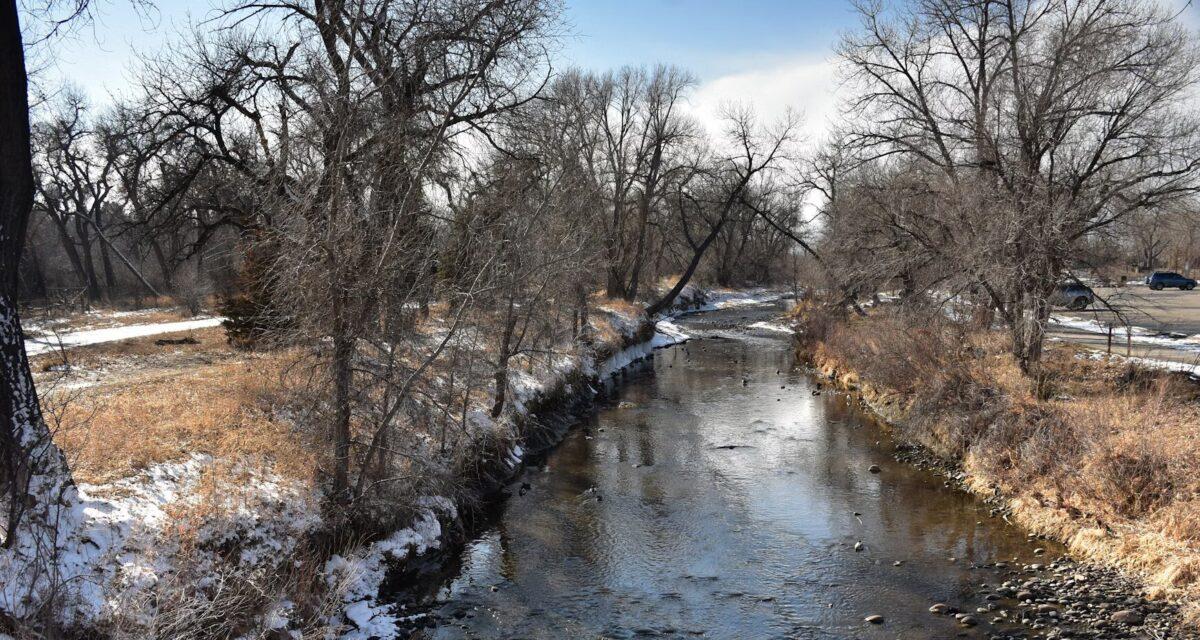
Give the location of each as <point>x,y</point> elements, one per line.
<point>1099,454</point>
<point>166,403</point>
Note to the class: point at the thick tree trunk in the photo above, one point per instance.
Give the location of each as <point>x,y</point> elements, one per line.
<point>165,267</point>
<point>89,266</point>
<point>68,245</point>
<point>1028,329</point>
<point>36,288</point>
<point>110,276</point>
<point>38,494</point>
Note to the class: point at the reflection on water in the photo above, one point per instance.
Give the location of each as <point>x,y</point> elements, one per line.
<point>725,502</point>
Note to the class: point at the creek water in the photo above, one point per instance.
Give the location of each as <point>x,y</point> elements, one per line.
<point>721,495</point>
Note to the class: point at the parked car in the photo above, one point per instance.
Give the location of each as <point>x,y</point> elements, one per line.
<point>1073,295</point>
<point>1160,280</point>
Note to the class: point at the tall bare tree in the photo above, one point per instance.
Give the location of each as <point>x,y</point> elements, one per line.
<point>1035,123</point>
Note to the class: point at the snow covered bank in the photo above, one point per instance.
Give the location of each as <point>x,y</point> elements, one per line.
<point>565,379</point>
<point>126,536</point>
<point>773,327</point>
<point>732,298</point>
<point>34,346</point>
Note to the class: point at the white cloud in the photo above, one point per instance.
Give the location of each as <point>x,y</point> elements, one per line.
<point>805,83</point>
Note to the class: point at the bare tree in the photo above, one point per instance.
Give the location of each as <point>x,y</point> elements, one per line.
<point>1035,124</point>
<point>703,212</point>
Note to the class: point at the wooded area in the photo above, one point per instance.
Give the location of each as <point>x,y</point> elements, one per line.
<point>413,195</point>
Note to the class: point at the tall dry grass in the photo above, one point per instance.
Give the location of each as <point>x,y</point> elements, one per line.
<point>228,410</point>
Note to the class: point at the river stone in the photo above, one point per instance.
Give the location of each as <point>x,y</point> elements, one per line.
<point>858,546</point>
<point>1127,616</point>
<point>874,468</point>
<point>940,609</point>
<point>874,619</point>
<point>968,621</point>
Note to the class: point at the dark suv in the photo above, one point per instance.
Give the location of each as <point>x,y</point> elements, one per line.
<point>1160,280</point>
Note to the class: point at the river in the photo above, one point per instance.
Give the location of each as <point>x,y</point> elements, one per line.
<point>721,494</point>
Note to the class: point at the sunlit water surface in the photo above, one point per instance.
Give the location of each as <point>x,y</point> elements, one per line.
<point>721,496</point>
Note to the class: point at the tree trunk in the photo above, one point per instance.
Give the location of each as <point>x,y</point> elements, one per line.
<point>343,361</point>
<point>68,245</point>
<point>510,326</point>
<point>1029,332</point>
<point>110,277</point>
<point>37,288</point>
<point>89,266</point>
<point>36,478</point>
<point>669,298</point>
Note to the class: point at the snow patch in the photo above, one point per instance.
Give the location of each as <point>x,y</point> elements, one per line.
<point>359,576</point>
<point>774,327</point>
<point>34,346</point>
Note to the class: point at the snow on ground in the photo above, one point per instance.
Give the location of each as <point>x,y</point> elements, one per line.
<point>359,576</point>
<point>728,299</point>
<point>1139,335</point>
<point>34,346</point>
<point>120,543</point>
<point>773,326</point>
<point>1192,369</point>
<point>41,325</point>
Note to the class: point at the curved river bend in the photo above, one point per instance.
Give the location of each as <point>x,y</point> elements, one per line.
<point>719,497</point>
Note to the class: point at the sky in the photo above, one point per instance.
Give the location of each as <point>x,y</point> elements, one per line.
<point>774,54</point>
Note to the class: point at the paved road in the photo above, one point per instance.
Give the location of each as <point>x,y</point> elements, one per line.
<point>1173,314</point>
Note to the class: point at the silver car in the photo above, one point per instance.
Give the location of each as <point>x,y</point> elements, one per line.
<point>1072,295</point>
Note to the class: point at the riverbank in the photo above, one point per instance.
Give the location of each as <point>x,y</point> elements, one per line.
<point>1100,458</point>
<point>200,471</point>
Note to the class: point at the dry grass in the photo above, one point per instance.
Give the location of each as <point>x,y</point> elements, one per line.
<point>227,409</point>
<point>1102,455</point>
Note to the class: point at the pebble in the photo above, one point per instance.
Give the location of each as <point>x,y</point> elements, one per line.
<point>874,468</point>
<point>874,619</point>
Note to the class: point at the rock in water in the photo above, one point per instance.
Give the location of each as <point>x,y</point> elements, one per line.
<point>874,468</point>
<point>874,619</point>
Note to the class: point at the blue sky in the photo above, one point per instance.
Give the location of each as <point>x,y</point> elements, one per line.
<point>775,54</point>
<point>710,37</point>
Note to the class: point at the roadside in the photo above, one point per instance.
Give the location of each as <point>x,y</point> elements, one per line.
<point>1163,326</point>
